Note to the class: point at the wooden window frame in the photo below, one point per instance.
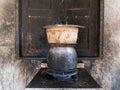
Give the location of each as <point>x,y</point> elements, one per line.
<point>18,35</point>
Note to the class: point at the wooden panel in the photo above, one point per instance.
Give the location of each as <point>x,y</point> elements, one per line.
<point>34,14</point>
<point>39,4</point>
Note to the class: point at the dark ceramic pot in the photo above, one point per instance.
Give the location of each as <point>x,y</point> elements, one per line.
<point>62,58</point>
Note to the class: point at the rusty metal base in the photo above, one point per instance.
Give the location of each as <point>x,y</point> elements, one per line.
<point>61,75</point>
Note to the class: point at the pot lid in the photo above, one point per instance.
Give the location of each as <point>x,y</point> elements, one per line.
<point>63,25</point>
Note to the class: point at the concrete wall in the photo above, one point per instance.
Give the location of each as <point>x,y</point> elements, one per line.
<point>15,74</point>
<point>107,70</point>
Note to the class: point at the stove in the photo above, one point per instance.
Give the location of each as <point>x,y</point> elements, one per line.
<point>62,56</point>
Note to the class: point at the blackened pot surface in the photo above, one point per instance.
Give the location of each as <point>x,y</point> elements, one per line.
<point>62,58</point>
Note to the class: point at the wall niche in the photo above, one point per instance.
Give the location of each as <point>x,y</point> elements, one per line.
<point>31,40</point>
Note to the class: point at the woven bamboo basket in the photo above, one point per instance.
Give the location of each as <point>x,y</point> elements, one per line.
<point>62,34</point>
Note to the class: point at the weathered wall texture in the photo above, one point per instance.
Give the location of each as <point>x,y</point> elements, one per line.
<point>15,74</point>
<point>107,70</point>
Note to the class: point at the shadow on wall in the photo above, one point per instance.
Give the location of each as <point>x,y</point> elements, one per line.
<point>116,85</point>
<point>106,71</point>
<point>29,68</point>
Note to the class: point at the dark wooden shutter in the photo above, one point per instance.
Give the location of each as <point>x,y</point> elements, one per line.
<point>34,14</point>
